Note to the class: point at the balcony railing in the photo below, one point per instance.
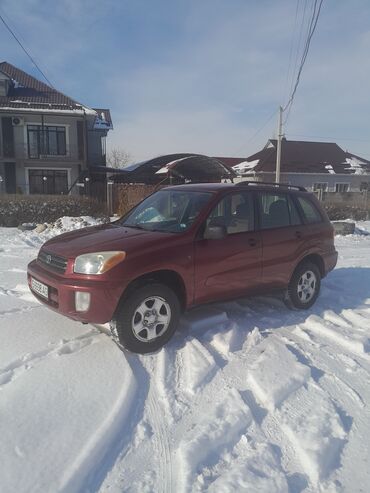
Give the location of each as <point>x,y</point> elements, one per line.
<point>72,155</point>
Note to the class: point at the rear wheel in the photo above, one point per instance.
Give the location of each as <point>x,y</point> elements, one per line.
<point>304,287</point>
<point>147,318</point>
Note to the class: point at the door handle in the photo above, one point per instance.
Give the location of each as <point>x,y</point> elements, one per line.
<point>298,234</point>
<point>252,242</point>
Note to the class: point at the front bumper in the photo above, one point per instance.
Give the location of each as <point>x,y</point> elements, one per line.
<point>105,295</point>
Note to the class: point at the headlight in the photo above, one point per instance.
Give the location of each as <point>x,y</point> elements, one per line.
<point>97,263</point>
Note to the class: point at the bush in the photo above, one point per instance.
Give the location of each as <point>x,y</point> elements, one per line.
<point>338,212</point>
<point>18,209</point>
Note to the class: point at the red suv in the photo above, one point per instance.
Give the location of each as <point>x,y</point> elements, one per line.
<point>183,246</point>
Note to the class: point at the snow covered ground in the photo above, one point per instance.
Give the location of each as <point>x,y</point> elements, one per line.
<point>248,396</point>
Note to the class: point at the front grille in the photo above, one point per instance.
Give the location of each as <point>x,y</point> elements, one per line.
<point>52,261</point>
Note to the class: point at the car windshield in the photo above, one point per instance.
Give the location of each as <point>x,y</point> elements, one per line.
<point>167,210</point>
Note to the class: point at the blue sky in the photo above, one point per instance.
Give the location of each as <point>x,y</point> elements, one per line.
<point>201,75</point>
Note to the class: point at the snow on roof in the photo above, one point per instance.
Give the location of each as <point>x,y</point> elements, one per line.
<point>330,169</point>
<point>17,85</point>
<point>356,165</point>
<point>169,165</point>
<point>245,166</point>
<point>102,123</point>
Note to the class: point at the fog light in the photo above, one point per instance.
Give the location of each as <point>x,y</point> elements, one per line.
<point>82,301</point>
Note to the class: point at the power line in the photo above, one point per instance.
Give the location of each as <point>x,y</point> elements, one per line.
<point>253,136</point>
<point>24,49</point>
<point>291,48</point>
<point>329,138</point>
<point>311,29</point>
<point>298,44</point>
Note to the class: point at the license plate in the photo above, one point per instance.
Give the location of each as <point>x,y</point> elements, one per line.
<point>39,288</point>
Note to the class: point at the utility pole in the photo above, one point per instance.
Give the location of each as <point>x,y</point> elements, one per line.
<point>278,150</point>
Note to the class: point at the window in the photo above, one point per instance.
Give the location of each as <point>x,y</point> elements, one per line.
<point>103,145</point>
<point>4,87</point>
<point>277,211</point>
<point>310,212</point>
<point>46,140</point>
<point>293,212</point>
<point>235,212</point>
<point>320,186</point>
<point>48,181</point>
<point>342,187</point>
<point>167,210</point>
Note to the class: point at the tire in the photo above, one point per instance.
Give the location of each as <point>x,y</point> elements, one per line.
<point>304,287</point>
<point>147,318</point>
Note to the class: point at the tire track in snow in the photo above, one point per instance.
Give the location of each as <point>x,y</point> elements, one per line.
<point>357,320</point>
<point>160,417</point>
<point>113,436</point>
<point>268,414</point>
<point>220,414</point>
<point>348,339</point>
<point>322,371</point>
<point>28,361</point>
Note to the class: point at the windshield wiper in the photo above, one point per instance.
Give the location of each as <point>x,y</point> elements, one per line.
<point>134,226</point>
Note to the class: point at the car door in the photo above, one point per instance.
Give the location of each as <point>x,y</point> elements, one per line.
<point>229,266</point>
<point>282,235</point>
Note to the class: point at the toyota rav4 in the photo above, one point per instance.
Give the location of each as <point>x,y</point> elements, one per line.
<point>184,246</point>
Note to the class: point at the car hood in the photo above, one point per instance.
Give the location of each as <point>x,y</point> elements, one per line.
<point>107,237</point>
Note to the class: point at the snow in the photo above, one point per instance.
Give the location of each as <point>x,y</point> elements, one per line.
<point>356,165</point>
<point>248,396</point>
<point>47,109</point>
<point>272,382</point>
<point>245,166</point>
<point>317,437</point>
<point>61,225</point>
<point>330,169</point>
<point>168,166</point>
<point>101,122</point>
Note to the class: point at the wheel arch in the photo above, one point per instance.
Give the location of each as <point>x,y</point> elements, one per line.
<point>169,278</point>
<point>315,259</point>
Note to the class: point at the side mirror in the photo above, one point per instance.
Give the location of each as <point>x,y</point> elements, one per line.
<point>215,232</point>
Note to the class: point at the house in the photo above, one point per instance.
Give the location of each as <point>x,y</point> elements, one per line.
<point>314,165</point>
<point>47,139</point>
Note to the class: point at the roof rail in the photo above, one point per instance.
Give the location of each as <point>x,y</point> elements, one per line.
<point>271,184</point>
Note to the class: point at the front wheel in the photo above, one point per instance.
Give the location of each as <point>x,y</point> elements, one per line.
<point>304,287</point>
<point>147,318</point>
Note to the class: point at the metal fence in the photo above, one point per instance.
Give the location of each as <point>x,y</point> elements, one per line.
<point>356,199</point>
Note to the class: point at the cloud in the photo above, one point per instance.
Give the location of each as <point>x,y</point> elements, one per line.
<point>200,76</point>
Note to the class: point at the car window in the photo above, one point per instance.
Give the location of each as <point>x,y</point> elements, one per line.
<point>274,210</point>
<point>310,212</point>
<point>235,212</point>
<point>167,210</point>
<point>293,212</point>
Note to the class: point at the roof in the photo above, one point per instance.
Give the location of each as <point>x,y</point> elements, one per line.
<point>103,119</point>
<point>28,89</point>
<point>181,167</point>
<point>308,157</point>
<point>27,93</point>
<point>241,185</point>
<point>231,161</point>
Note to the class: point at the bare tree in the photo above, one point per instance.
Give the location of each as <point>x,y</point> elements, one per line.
<point>118,158</point>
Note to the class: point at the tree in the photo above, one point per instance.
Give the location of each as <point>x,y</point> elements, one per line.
<point>118,158</point>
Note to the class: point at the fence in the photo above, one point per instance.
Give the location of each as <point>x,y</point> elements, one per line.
<point>121,197</point>
<point>355,199</point>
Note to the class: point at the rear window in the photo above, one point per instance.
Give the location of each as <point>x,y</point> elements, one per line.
<point>310,212</point>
